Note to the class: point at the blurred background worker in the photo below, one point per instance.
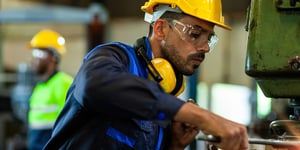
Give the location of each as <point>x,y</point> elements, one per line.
<point>49,94</point>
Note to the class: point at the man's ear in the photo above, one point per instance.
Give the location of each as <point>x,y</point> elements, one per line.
<point>160,29</point>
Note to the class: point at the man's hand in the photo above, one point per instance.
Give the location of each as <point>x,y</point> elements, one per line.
<point>233,135</point>
<point>182,135</point>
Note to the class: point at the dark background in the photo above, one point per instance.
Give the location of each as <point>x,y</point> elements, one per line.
<point>130,8</point>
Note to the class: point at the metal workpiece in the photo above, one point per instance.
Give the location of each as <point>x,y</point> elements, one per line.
<point>274,142</point>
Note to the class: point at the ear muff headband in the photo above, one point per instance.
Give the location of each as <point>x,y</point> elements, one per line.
<point>154,73</point>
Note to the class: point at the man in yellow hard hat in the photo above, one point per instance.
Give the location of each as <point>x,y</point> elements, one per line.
<point>48,97</point>
<point>124,97</point>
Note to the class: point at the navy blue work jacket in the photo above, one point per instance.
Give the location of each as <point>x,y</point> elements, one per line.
<point>111,105</point>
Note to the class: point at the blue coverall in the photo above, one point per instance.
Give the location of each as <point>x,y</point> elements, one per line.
<point>111,104</point>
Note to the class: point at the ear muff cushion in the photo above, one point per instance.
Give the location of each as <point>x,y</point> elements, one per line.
<point>177,93</point>
<point>169,80</point>
<point>179,88</point>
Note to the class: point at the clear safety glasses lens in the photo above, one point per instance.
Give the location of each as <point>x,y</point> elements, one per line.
<point>196,35</point>
<point>212,42</point>
<point>37,53</point>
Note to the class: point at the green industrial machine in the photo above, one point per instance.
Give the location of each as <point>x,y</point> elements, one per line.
<point>273,58</point>
<point>273,44</point>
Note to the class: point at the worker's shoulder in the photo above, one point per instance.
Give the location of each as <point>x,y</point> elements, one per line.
<point>112,46</point>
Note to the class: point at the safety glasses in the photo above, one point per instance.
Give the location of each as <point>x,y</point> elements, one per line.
<point>195,34</point>
<point>37,53</point>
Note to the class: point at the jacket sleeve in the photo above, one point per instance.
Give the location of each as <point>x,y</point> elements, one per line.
<point>104,86</point>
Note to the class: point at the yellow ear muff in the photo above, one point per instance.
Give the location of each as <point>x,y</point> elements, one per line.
<point>180,90</point>
<point>166,71</point>
<point>160,70</point>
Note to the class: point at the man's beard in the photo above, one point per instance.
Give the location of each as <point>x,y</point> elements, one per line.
<point>170,53</point>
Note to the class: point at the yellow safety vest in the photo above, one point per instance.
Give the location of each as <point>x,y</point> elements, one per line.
<point>47,100</point>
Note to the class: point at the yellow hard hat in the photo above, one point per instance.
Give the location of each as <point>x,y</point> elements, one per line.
<point>208,10</point>
<point>49,39</point>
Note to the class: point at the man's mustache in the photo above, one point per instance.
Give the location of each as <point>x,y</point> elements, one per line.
<point>198,55</point>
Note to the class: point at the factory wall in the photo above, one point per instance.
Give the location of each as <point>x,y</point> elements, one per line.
<point>224,64</point>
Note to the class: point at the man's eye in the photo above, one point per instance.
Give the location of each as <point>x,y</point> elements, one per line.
<point>195,35</point>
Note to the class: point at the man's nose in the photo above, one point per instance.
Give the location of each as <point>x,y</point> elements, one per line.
<point>203,47</point>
